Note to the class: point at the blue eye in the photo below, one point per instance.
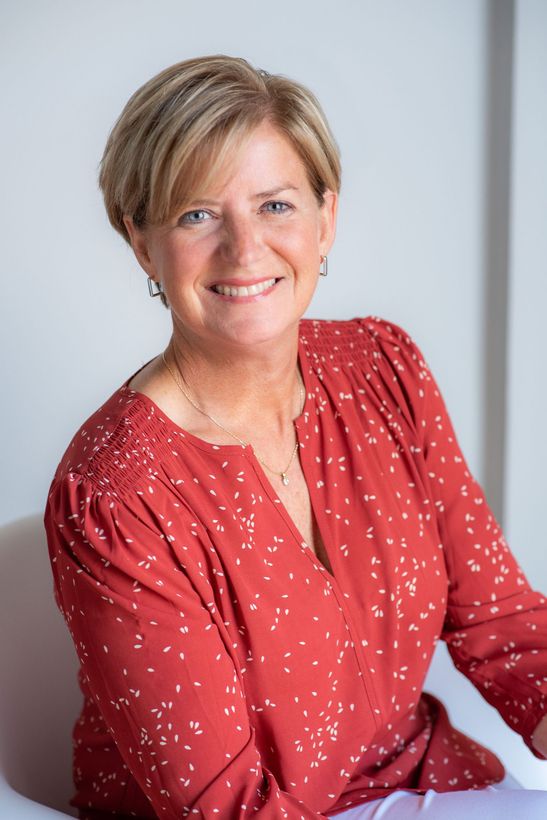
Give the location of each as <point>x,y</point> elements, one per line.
<point>194,217</point>
<point>276,207</point>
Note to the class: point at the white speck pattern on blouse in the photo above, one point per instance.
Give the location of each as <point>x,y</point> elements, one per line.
<point>225,671</point>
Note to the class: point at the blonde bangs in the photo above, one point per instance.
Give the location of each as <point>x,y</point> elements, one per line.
<point>185,173</point>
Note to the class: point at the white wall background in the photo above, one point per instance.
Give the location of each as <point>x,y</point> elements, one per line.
<point>440,109</point>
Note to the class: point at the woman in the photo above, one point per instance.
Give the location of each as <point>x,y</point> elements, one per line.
<point>260,536</point>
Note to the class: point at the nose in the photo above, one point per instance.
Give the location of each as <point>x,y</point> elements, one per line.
<point>242,242</point>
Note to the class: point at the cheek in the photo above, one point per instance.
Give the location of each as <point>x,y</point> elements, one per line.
<point>301,242</point>
<point>178,259</point>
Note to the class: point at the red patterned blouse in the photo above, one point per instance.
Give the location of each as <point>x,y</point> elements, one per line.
<point>225,670</point>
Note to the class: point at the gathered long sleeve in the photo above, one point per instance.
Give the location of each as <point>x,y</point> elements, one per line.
<point>496,624</point>
<point>157,660</point>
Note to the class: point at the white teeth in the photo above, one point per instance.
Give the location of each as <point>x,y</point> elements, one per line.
<point>252,290</point>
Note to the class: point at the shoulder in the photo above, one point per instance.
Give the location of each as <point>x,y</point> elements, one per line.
<point>378,356</point>
<point>352,340</point>
<point>118,443</point>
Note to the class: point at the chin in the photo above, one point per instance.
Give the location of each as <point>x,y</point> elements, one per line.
<point>256,332</point>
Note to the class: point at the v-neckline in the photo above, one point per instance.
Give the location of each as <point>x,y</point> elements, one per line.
<point>248,451</point>
<point>283,511</point>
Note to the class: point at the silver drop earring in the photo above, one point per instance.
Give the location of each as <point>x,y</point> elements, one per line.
<point>324,267</point>
<point>151,291</point>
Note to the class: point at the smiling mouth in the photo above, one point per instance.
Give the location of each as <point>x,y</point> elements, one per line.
<point>250,290</point>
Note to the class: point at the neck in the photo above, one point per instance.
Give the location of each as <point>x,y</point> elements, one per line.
<point>244,388</point>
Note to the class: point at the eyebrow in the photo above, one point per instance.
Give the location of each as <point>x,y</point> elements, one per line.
<point>275,191</point>
<point>261,195</point>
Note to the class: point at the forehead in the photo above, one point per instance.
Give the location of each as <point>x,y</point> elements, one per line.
<point>264,161</point>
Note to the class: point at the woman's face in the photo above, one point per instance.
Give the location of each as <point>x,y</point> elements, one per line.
<point>260,227</point>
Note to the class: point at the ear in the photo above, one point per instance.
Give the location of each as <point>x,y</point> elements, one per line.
<point>140,244</point>
<point>329,211</point>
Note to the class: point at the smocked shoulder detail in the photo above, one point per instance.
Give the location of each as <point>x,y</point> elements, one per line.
<point>132,451</point>
<point>337,342</point>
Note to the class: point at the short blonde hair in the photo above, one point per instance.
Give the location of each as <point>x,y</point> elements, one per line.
<point>176,131</point>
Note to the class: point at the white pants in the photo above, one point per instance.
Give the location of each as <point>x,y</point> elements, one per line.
<point>504,801</point>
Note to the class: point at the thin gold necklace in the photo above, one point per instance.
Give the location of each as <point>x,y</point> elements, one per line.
<point>283,475</point>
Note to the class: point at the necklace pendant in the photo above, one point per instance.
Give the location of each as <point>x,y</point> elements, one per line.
<point>284,479</point>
